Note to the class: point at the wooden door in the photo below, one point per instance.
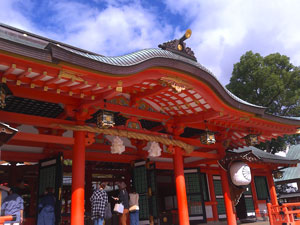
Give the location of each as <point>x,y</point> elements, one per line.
<point>144,181</point>
<point>51,175</point>
<point>196,205</point>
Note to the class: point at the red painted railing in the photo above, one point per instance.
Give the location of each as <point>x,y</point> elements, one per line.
<point>6,218</point>
<point>287,213</point>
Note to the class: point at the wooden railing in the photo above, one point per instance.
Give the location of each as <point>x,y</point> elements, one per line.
<point>285,214</point>
<point>6,218</point>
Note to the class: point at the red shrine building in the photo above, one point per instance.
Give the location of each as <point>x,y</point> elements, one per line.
<point>156,119</point>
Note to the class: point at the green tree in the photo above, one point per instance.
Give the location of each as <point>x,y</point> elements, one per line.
<point>272,82</point>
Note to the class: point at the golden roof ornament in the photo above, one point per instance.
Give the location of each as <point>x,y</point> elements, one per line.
<point>178,46</point>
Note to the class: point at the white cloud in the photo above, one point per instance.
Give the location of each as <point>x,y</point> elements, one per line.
<point>224,30</point>
<point>9,15</point>
<point>114,30</point>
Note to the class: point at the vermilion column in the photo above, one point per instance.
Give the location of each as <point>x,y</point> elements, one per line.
<point>254,195</point>
<point>231,218</point>
<point>213,196</point>
<point>272,189</point>
<point>78,169</point>
<point>180,188</point>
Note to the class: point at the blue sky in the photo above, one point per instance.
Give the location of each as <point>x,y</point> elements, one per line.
<point>222,30</point>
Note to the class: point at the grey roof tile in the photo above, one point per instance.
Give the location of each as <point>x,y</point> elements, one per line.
<point>292,173</point>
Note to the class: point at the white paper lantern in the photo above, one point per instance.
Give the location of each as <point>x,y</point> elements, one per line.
<point>154,150</point>
<point>117,146</point>
<point>240,174</point>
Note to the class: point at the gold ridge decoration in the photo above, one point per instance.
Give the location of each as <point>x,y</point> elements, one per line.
<point>67,74</point>
<point>129,134</point>
<point>175,83</point>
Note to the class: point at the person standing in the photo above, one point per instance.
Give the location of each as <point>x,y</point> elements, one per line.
<point>3,193</point>
<point>47,208</point>
<point>99,200</point>
<point>13,204</point>
<point>134,207</point>
<point>123,198</point>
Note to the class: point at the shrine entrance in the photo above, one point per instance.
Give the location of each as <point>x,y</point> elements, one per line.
<point>158,201</point>
<point>95,173</point>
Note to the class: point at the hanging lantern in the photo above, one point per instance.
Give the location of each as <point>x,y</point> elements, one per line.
<point>277,174</point>
<point>251,139</point>
<point>240,174</point>
<point>4,93</point>
<point>117,146</point>
<point>208,138</point>
<point>105,119</point>
<point>154,150</point>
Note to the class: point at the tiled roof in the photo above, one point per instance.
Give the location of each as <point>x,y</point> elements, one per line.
<point>35,41</point>
<point>146,54</point>
<point>268,157</point>
<point>292,173</point>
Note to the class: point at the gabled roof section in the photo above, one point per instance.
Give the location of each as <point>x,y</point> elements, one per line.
<point>292,173</point>
<point>266,157</point>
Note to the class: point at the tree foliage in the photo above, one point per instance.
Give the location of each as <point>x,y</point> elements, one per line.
<point>271,81</point>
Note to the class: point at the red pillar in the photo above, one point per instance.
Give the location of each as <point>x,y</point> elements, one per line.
<point>78,171</point>
<point>272,189</point>
<point>231,218</point>
<point>254,196</point>
<point>213,196</point>
<point>180,188</point>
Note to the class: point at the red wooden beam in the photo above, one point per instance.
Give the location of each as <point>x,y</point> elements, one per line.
<point>204,155</point>
<point>43,138</point>
<point>201,161</point>
<point>10,117</point>
<point>34,93</point>
<point>164,166</point>
<point>125,110</point>
<point>90,156</point>
<point>197,142</point>
<point>21,156</point>
<point>199,118</point>
<point>27,143</point>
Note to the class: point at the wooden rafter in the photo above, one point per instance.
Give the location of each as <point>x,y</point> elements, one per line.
<point>25,73</point>
<point>199,118</point>
<point>10,70</point>
<point>149,93</point>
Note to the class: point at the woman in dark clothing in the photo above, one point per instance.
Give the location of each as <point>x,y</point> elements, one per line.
<point>123,198</point>
<point>47,208</point>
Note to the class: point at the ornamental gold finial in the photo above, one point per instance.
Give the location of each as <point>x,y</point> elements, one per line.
<point>178,46</point>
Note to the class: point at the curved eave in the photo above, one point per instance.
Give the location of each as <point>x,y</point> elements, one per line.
<point>165,60</point>
<point>137,62</point>
<point>124,65</point>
